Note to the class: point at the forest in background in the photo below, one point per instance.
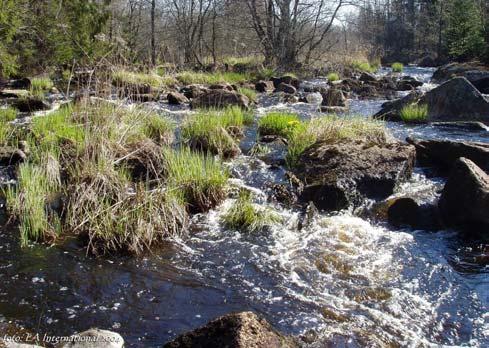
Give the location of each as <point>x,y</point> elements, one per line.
<point>36,36</point>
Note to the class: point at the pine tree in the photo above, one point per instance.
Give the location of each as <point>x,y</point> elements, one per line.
<point>464,34</point>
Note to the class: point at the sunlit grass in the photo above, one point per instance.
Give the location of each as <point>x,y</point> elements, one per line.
<point>8,114</point>
<point>198,178</point>
<point>397,67</point>
<point>122,77</point>
<point>192,77</point>
<point>414,113</point>
<point>364,66</point>
<point>214,130</point>
<point>246,216</point>
<point>333,77</point>
<point>278,123</point>
<point>332,129</point>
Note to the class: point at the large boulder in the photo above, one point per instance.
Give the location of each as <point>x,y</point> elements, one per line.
<point>472,71</point>
<point>220,98</point>
<point>443,153</point>
<point>456,100</point>
<point>337,176</point>
<point>465,198</point>
<point>236,330</point>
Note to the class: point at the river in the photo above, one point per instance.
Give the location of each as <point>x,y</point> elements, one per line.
<point>343,281</point>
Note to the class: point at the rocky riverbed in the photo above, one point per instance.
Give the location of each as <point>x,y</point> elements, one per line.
<point>376,261</point>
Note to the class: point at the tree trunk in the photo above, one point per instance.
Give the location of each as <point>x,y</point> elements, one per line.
<point>153,40</point>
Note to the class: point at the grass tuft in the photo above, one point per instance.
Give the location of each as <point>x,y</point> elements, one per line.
<point>246,216</point>
<point>192,77</point>
<point>364,66</point>
<point>214,130</point>
<point>124,77</point>
<point>40,85</point>
<point>8,114</point>
<point>414,113</point>
<point>333,77</point>
<point>199,179</point>
<point>278,123</point>
<point>397,67</point>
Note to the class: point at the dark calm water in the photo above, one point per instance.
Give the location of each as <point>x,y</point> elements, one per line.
<point>344,280</point>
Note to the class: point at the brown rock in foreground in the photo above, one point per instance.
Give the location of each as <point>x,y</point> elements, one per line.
<point>236,330</point>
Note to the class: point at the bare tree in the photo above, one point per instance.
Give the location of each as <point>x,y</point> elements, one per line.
<point>289,28</point>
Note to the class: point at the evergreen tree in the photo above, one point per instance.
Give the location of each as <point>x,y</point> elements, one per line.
<point>464,34</point>
<point>10,20</point>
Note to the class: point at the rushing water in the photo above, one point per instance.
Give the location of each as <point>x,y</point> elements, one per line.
<point>341,281</point>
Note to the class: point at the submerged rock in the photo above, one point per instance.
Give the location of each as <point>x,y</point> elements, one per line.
<point>236,330</point>
<point>468,126</point>
<point>220,98</point>
<point>465,198</point>
<point>337,176</point>
<point>407,212</point>
<point>443,153</point>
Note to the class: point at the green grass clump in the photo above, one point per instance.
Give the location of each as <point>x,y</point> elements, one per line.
<point>124,77</point>
<point>199,178</point>
<point>97,151</point>
<point>332,129</point>
<point>115,214</point>
<point>414,113</point>
<point>192,77</point>
<point>333,77</point>
<point>251,94</point>
<point>246,216</point>
<point>363,66</point>
<point>397,67</point>
<point>30,203</point>
<point>214,130</point>
<point>278,123</point>
<point>40,85</point>
<point>8,114</point>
